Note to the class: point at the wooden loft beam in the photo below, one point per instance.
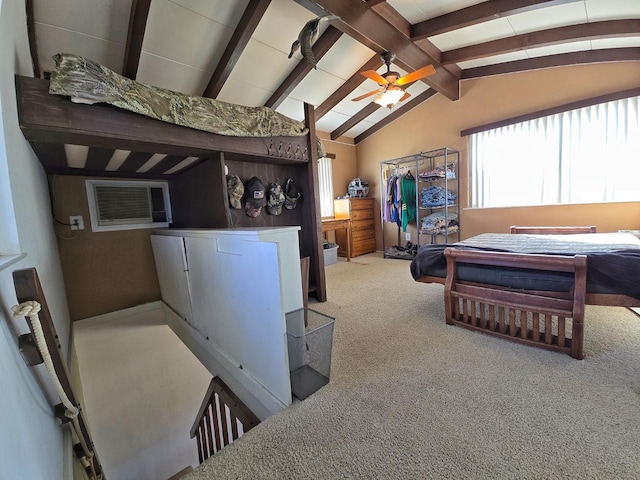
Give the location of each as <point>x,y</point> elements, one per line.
<point>397,113</point>
<point>552,36</point>
<point>320,48</point>
<point>46,118</point>
<point>31,32</point>
<point>360,22</point>
<point>482,12</point>
<point>135,37</point>
<point>242,34</point>
<point>347,87</point>
<point>559,60</point>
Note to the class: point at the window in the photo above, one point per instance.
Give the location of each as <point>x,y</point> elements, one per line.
<point>586,155</point>
<point>325,176</point>
<point>126,205</point>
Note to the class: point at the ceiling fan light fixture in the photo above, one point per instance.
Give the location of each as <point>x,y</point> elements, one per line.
<point>389,97</point>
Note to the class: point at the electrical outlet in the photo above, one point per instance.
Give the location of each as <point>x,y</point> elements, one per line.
<point>407,236</point>
<point>76,222</point>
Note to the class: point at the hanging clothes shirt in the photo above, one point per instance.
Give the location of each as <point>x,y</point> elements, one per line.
<point>408,194</point>
<point>397,201</point>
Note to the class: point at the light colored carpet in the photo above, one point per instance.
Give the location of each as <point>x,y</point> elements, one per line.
<point>411,397</point>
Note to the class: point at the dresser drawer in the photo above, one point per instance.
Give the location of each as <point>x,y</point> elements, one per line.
<point>362,225</point>
<point>361,214</point>
<point>358,235</point>
<point>361,204</point>
<point>362,247</point>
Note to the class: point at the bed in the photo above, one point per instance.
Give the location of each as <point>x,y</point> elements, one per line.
<point>532,288</point>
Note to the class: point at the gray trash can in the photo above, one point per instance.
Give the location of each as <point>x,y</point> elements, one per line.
<point>309,348</point>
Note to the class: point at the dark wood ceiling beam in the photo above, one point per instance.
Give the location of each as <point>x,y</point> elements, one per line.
<point>482,12</point>
<point>390,14</point>
<point>135,37</point>
<point>31,33</point>
<point>239,40</point>
<point>361,23</point>
<point>559,60</point>
<point>397,113</point>
<point>347,87</point>
<point>552,36</point>
<point>353,121</point>
<point>320,48</point>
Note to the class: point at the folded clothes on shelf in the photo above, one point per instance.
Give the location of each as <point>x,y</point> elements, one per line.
<point>436,196</point>
<point>439,223</point>
<point>439,172</point>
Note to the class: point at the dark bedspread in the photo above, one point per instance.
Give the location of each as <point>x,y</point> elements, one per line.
<point>613,261</point>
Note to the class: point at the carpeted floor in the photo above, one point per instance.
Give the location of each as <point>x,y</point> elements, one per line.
<point>411,397</point>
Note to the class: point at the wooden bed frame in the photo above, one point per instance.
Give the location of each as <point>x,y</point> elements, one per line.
<point>549,320</point>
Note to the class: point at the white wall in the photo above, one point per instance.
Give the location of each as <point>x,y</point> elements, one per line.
<point>32,444</point>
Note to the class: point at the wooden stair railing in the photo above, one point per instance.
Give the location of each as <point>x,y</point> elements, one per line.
<point>221,419</point>
<point>28,292</point>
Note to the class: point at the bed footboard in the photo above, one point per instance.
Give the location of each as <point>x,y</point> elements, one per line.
<point>553,321</point>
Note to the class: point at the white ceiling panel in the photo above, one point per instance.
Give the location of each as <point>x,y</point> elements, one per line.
<point>556,49</point>
<point>263,66</point>
<point>244,93</point>
<point>316,87</point>
<point>345,57</point>
<point>197,41</point>
<point>292,108</point>
<point>628,42</point>
<point>52,40</point>
<point>612,9</point>
<point>113,15</point>
<point>550,17</point>
<point>358,129</point>
<point>281,25</point>
<point>506,57</point>
<point>164,73</point>
<point>483,32</point>
<point>225,12</point>
<point>331,121</point>
<point>419,10</point>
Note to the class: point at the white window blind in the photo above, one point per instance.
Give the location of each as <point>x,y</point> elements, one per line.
<point>587,155</point>
<point>325,176</point>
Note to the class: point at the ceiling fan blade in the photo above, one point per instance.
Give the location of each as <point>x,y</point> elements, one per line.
<point>375,76</point>
<point>380,90</point>
<point>404,97</point>
<point>417,75</point>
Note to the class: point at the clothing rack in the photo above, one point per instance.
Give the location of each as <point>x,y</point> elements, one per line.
<point>412,164</point>
<point>397,167</point>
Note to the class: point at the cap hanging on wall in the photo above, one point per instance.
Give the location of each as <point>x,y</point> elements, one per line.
<point>256,196</point>
<point>292,194</point>
<point>276,199</point>
<point>235,188</point>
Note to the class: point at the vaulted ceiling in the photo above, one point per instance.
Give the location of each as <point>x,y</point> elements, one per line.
<point>237,50</point>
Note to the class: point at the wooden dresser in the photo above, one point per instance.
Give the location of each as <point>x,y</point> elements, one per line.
<point>360,212</point>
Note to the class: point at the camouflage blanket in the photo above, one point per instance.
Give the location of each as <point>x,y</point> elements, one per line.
<point>88,82</point>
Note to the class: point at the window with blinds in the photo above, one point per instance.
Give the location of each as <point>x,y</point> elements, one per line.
<point>124,205</point>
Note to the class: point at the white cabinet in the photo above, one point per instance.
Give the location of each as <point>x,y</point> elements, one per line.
<point>233,288</point>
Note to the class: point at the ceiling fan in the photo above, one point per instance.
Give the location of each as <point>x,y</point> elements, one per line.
<point>391,91</point>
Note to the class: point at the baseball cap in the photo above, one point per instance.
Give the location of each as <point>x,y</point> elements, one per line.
<point>292,194</point>
<point>256,196</point>
<point>276,199</point>
<point>235,188</point>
